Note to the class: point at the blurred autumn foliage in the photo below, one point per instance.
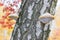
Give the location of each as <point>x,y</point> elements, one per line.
<point>55,33</point>
<point>6,8</point>
<point>6,23</point>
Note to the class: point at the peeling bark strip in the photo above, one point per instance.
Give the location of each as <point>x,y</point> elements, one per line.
<point>27,22</point>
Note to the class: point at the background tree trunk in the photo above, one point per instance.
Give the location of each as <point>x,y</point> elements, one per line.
<point>28,26</point>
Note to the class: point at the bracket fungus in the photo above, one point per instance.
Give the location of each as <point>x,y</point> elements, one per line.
<point>46,18</point>
<point>13,16</point>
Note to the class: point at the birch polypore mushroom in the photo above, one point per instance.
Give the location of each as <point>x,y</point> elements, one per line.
<point>46,18</point>
<point>13,16</point>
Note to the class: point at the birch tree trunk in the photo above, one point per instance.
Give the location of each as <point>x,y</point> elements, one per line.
<point>28,26</point>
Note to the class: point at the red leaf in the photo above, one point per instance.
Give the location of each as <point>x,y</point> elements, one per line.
<point>1,4</point>
<point>1,21</point>
<point>4,17</point>
<point>7,14</point>
<point>9,26</point>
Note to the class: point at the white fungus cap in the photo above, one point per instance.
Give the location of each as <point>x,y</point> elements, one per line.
<point>46,18</point>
